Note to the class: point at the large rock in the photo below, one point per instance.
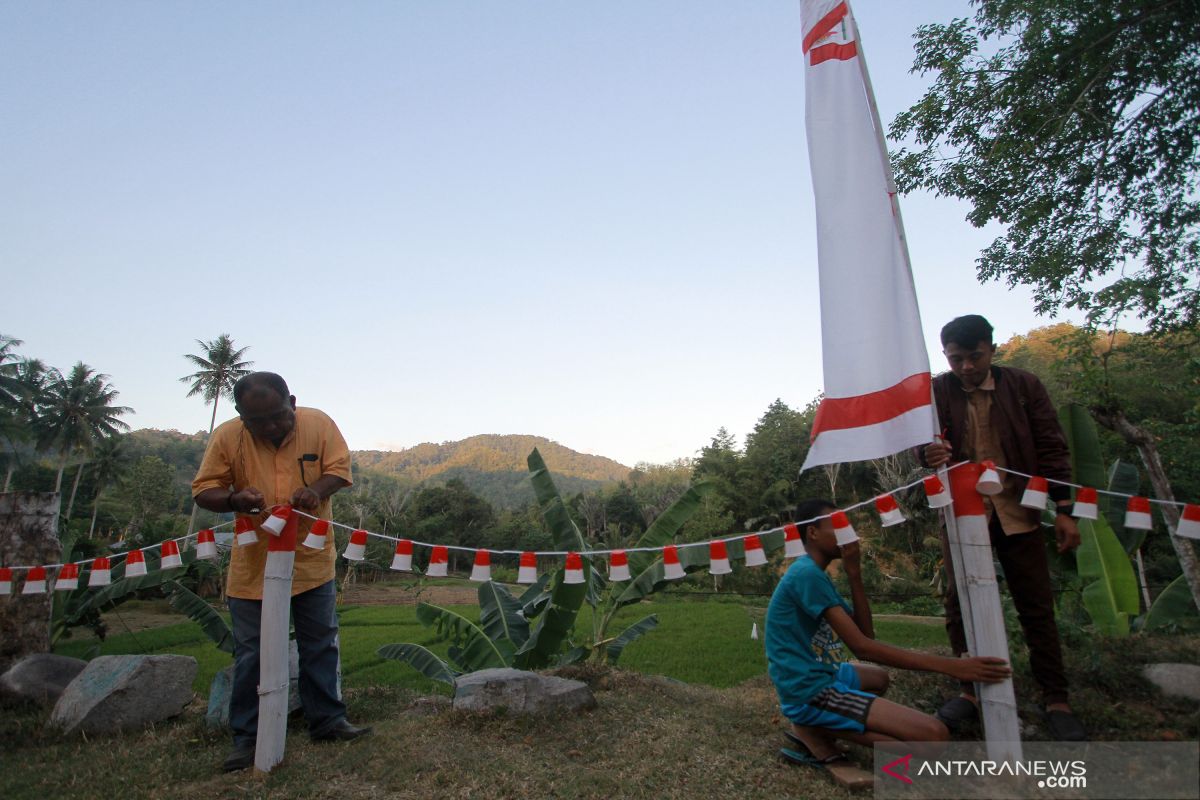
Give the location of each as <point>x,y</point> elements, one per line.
<point>221,690</point>
<point>515,691</point>
<point>1182,680</point>
<point>40,678</point>
<point>121,693</point>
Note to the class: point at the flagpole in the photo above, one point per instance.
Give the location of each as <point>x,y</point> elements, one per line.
<point>975,578</point>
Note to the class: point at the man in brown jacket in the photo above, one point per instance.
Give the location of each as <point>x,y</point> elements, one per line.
<point>1004,415</point>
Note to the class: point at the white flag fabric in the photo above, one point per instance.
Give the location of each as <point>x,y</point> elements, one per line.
<point>877,383</point>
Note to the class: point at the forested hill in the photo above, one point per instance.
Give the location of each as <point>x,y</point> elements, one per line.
<point>492,465</point>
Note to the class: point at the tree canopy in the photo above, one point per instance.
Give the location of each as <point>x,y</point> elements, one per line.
<point>1076,125</point>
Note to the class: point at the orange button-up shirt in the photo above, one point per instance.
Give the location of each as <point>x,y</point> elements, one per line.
<point>236,460</point>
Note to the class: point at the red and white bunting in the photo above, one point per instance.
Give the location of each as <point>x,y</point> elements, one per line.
<point>35,581</point>
<point>481,572</point>
<point>935,492</point>
<point>244,533</point>
<point>6,580</point>
<point>1137,514</point>
<point>68,578</point>
<point>718,559</point>
<point>889,510</point>
<point>989,480</point>
<point>101,574</point>
<point>793,545</point>
<point>672,569</point>
<point>574,571</point>
<point>402,558</point>
<point>1037,492</point>
<point>618,566</point>
<point>206,544</point>
<point>315,540</point>
<point>755,557</point>
<point>135,564</point>
<point>1085,504</point>
<point>1189,522</point>
<point>356,548</point>
<point>527,571</point>
<point>170,555</point>
<point>275,523</point>
<point>439,559</point>
<point>843,531</point>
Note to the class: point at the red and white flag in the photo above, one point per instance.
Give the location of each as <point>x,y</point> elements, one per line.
<point>877,384</point>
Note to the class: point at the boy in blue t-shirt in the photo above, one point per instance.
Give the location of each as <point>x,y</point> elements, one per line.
<point>825,699</point>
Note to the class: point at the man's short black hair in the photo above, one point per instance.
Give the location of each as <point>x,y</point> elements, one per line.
<point>967,331</point>
<point>811,509</point>
<point>254,380</point>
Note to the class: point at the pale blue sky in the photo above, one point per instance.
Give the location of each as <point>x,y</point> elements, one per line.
<point>587,221</point>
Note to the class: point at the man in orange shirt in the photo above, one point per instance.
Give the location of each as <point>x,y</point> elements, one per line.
<point>275,453</point>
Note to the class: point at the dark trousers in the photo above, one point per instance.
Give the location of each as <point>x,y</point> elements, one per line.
<point>315,620</point>
<point>1027,573</point>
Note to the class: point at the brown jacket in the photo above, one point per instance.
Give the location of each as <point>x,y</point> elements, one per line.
<point>1022,413</point>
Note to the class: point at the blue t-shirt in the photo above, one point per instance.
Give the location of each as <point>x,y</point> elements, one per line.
<point>803,652</point>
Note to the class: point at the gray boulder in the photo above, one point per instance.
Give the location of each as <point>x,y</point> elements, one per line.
<point>515,691</point>
<point>1181,680</point>
<point>40,678</point>
<point>221,690</point>
<point>122,693</point>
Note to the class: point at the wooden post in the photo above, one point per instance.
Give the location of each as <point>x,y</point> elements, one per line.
<point>28,537</point>
<point>273,647</point>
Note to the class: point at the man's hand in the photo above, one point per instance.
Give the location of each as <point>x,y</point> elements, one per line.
<point>1066,531</point>
<point>246,500</point>
<point>306,499</point>
<point>986,669</point>
<point>937,454</point>
<point>852,559</point>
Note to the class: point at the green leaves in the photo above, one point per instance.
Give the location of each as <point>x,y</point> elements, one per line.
<point>633,632</point>
<point>1112,597</point>
<point>198,610</point>
<point>471,647</point>
<point>421,660</point>
<point>1174,610</point>
<point>501,614</point>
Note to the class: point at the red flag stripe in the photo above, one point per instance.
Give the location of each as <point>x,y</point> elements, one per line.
<point>823,27</point>
<point>840,413</point>
<point>833,52</point>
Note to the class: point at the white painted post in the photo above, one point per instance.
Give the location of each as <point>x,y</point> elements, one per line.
<point>273,647</point>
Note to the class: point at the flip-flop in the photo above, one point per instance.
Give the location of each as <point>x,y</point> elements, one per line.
<point>956,713</point>
<point>1064,726</point>
<point>843,771</point>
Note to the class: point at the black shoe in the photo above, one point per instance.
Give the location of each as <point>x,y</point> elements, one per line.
<point>956,713</point>
<point>240,757</point>
<point>342,732</point>
<point>1065,726</point>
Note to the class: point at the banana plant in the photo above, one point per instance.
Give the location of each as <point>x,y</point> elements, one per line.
<point>1174,611</point>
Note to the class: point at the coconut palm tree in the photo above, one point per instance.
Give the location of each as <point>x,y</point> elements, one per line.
<point>22,397</point>
<point>78,412</point>
<point>109,464</point>
<point>220,367</point>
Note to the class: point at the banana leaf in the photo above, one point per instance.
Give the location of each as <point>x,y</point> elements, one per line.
<point>500,614</point>
<point>554,511</point>
<point>1123,477</point>
<point>1087,465</point>
<point>554,625</point>
<point>1174,610</point>
<point>662,531</point>
<point>421,660</point>
<point>475,650</point>
<point>1111,598</point>
<point>573,656</point>
<point>213,624</point>
<point>633,632</point>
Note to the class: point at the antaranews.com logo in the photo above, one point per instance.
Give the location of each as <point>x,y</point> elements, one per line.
<point>1049,774</point>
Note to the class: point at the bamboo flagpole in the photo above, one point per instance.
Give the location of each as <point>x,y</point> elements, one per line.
<point>273,644</point>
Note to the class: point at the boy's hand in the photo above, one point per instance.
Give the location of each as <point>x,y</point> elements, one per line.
<point>852,559</point>
<point>985,669</point>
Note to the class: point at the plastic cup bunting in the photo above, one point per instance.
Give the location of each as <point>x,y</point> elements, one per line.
<point>793,545</point>
<point>402,559</point>
<point>5,580</point>
<point>718,559</point>
<point>1037,491</point>
<point>618,566</point>
<point>170,555</point>
<point>755,557</point>
<point>672,569</point>
<point>574,571</point>
<point>1189,522</point>
<point>315,540</point>
<point>35,581</point>
<point>135,564</point>
<point>889,511</point>
<point>527,573</point>
<point>1085,504</point>
<point>438,561</point>
<point>357,547</point>
<point>243,527</point>
<point>101,574</point>
<point>481,572</point>
<point>68,578</point>
<point>842,529</point>
<point>935,492</point>
<point>1137,514</point>
<point>206,544</point>
<point>279,517</point>
<point>989,480</point>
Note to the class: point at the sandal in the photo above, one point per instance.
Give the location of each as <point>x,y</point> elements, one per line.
<point>1064,726</point>
<point>956,713</point>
